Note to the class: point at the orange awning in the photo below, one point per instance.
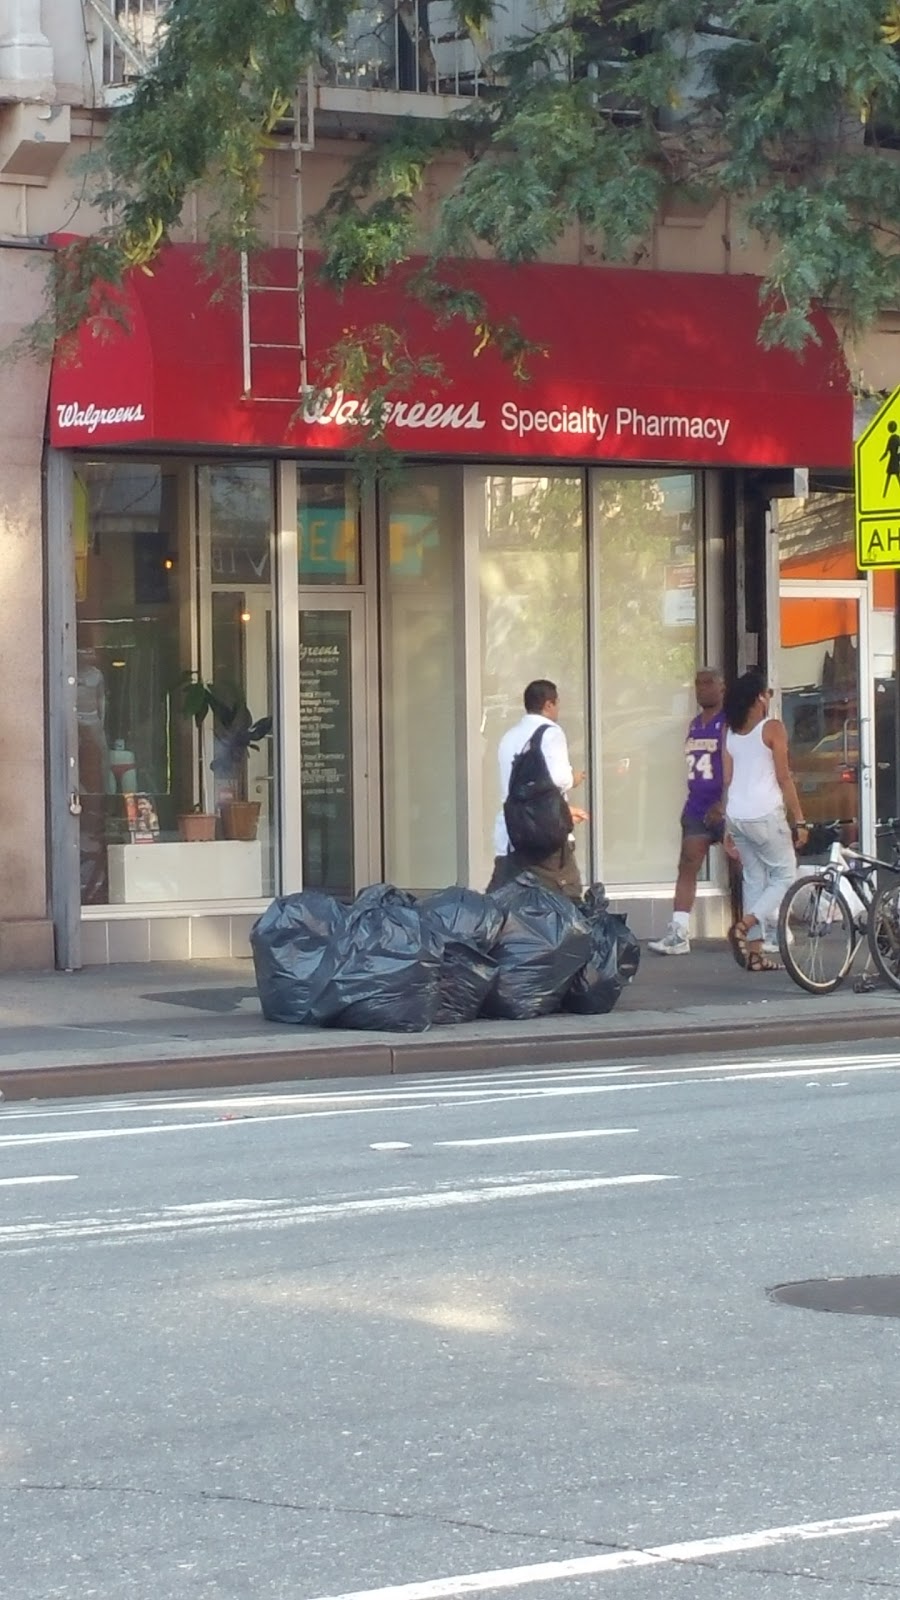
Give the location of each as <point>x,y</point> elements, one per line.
<point>816,621</point>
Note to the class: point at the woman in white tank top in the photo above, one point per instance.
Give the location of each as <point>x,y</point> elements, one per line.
<point>761,808</point>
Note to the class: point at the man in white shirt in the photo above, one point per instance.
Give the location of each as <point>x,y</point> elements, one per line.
<point>560,870</point>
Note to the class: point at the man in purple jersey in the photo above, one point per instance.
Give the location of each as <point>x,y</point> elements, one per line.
<point>702,820</point>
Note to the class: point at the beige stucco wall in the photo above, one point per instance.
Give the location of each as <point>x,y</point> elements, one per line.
<point>685,239</point>
<point>69,28</point>
<point>25,932</point>
<point>875,358</point>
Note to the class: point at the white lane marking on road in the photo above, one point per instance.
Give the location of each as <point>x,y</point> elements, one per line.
<point>464,1087</point>
<point>513,1078</point>
<point>625,1560</point>
<point>530,1138</point>
<point>390,1144</point>
<point>429,1103</point>
<point>28,1236</point>
<point>46,1177</point>
<point>20,1140</point>
<point>489,1082</point>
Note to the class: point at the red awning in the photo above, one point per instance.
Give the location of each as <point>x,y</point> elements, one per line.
<point>637,366</point>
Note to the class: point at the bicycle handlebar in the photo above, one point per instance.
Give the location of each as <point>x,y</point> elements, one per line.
<point>886,825</point>
<point>848,856</point>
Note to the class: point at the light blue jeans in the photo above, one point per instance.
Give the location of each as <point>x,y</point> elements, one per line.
<point>769,864</point>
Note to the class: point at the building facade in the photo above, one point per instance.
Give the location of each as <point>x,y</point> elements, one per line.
<point>660,492</point>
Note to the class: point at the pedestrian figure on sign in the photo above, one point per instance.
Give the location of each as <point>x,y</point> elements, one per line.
<point>891,454</point>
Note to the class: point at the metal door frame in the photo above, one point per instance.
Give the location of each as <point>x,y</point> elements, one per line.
<point>64,858</point>
<point>361,601</point>
<point>838,589</point>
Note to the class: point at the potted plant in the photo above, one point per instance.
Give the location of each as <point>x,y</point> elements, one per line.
<point>236,733</point>
<point>198,699</point>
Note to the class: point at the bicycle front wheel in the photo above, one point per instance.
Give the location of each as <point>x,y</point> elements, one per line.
<point>884,932</point>
<point>816,934</point>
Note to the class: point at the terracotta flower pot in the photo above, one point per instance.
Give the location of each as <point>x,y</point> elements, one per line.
<point>197,827</point>
<point>240,818</point>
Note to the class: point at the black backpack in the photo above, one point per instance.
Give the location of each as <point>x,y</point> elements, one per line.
<point>538,819</point>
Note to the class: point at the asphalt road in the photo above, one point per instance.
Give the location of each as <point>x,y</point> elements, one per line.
<point>505,1333</point>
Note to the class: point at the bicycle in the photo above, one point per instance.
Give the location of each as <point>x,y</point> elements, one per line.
<point>826,916</point>
<point>884,931</point>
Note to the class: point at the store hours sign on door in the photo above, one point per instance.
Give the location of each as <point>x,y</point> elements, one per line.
<point>326,751</point>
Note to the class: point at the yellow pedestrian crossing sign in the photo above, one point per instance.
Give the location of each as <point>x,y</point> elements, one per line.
<point>878,489</point>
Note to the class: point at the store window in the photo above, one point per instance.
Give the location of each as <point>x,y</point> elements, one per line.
<point>836,671</point>
<point>423,676</point>
<point>156,608</point>
<point>328,527</point>
<point>532,566</point>
<point>816,538</point>
<point>132,582</point>
<point>645,531</point>
<point>237,636</point>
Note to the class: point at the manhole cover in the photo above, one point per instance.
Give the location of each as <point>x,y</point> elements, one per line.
<point>855,1297</point>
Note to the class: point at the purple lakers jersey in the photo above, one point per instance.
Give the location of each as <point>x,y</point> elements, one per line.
<point>703,754</point>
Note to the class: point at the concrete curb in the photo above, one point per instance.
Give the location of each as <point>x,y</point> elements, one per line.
<point>249,1065</point>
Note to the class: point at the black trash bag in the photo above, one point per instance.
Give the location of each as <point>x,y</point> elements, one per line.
<point>383,971</point>
<point>629,958</point>
<point>598,986</point>
<point>381,894</point>
<point>596,903</point>
<point>289,942</point>
<point>470,924</point>
<point>594,900</point>
<point>544,943</point>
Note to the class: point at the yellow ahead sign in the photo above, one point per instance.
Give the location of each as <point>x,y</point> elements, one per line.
<point>878,489</point>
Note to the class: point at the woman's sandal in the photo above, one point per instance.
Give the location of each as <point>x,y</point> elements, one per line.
<point>737,938</point>
<point>757,962</point>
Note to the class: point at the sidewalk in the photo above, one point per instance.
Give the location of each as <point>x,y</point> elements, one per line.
<point>166,1025</point>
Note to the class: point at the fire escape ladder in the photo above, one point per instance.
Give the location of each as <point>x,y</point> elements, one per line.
<point>259,299</point>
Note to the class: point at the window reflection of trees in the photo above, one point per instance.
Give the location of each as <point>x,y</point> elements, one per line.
<point>533,588</point>
<point>638,538</point>
<point>816,537</point>
<point>646,539</point>
<point>533,607</point>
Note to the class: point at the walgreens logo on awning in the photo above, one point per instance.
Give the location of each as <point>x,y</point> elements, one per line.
<point>331,408</point>
<point>92,417</point>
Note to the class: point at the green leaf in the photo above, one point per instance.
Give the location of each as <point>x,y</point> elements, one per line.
<point>594,112</point>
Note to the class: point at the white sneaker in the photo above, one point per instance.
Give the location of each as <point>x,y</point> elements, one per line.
<point>673,943</point>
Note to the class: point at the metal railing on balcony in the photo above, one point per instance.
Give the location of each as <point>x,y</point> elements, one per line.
<point>408,46</point>
<point>419,47</point>
<point>128,38</point>
<point>415,46</point>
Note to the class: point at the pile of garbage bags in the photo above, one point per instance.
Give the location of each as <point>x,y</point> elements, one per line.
<point>392,963</point>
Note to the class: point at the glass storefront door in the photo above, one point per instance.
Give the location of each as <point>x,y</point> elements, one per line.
<point>825,704</point>
<point>334,766</point>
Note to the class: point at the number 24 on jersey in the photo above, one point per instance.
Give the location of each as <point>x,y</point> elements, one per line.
<point>700,766</point>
